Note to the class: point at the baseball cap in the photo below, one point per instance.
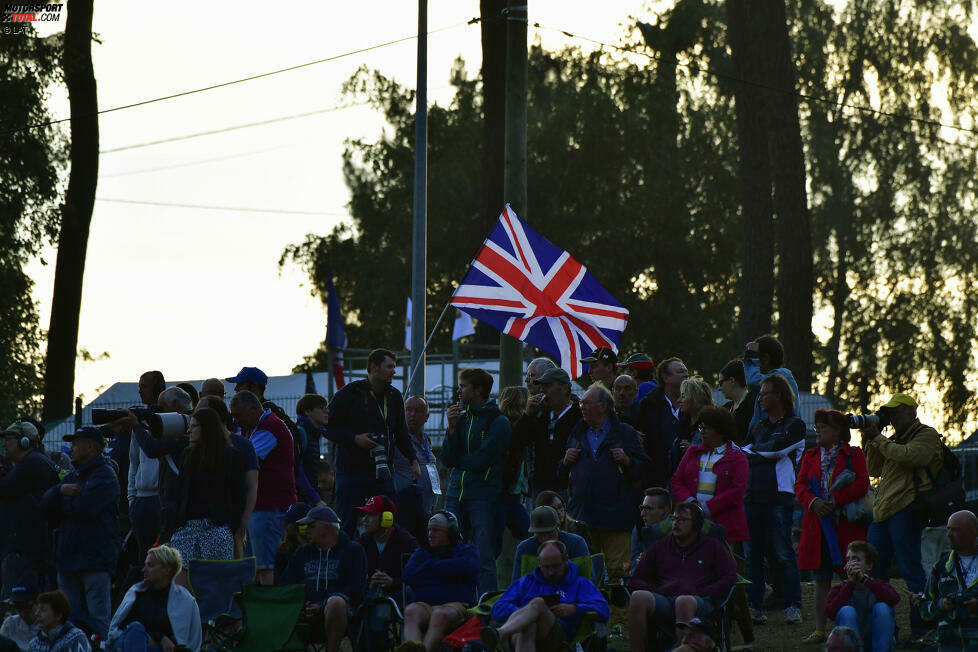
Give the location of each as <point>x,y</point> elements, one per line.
<point>638,360</point>
<point>20,429</point>
<point>379,505</point>
<point>87,432</point>
<point>322,514</point>
<point>295,512</point>
<point>543,519</point>
<point>698,625</point>
<point>602,353</point>
<point>900,399</point>
<point>249,375</point>
<point>554,375</point>
<point>23,593</point>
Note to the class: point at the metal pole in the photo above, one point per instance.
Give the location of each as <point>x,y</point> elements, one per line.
<point>514,177</point>
<point>330,361</point>
<point>419,240</point>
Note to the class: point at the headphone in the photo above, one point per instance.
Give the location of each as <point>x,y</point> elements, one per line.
<point>454,531</point>
<point>387,516</point>
<point>698,516</point>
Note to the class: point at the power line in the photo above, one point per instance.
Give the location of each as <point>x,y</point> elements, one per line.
<point>249,78</point>
<point>191,163</point>
<point>249,209</point>
<point>803,96</point>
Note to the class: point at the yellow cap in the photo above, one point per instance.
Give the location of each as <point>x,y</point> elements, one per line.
<point>900,399</point>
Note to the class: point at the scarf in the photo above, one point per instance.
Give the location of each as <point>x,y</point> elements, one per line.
<point>828,464</point>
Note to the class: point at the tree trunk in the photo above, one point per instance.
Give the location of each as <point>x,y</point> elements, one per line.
<point>796,275</point>
<point>494,133</point>
<point>59,375</point>
<point>757,253</point>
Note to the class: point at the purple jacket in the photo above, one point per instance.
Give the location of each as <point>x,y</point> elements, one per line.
<point>389,561</point>
<point>705,568</point>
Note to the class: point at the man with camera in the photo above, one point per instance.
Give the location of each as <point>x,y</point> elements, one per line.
<point>951,597</point>
<point>366,417</point>
<point>905,464</point>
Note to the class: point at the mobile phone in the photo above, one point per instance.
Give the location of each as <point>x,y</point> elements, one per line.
<point>551,599</point>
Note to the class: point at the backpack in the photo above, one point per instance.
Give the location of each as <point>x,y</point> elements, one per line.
<point>933,507</point>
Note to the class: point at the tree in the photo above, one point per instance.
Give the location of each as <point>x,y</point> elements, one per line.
<point>31,161</point>
<point>59,378</point>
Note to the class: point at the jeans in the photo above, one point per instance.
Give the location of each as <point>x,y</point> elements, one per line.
<point>879,638</point>
<point>771,525</point>
<point>478,521</point>
<point>144,513</point>
<point>89,595</point>
<point>133,639</point>
<point>897,537</point>
<point>511,514</point>
<point>352,491</point>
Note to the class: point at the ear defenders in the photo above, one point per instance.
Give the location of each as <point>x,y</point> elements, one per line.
<point>387,516</point>
<point>698,516</point>
<point>454,530</point>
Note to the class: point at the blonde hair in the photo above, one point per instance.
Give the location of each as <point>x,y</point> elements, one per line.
<point>169,558</point>
<point>512,401</point>
<point>696,394</point>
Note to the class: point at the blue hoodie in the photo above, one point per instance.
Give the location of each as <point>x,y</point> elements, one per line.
<point>445,576</point>
<point>341,570</point>
<point>573,589</point>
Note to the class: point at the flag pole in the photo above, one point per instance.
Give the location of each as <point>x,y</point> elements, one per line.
<point>420,361</point>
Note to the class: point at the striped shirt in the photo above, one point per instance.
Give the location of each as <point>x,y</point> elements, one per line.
<point>708,480</point>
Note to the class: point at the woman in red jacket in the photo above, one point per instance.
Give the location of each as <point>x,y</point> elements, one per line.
<point>825,462</point>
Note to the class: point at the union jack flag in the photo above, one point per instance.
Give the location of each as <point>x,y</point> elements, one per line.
<point>525,286</point>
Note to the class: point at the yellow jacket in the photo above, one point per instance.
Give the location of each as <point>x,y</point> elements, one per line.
<point>895,460</point>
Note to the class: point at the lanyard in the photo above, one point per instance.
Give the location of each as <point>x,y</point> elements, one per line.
<point>382,409</point>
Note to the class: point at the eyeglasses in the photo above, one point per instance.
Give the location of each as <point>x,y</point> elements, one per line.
<point>679,519</point>
<point>644,508</point>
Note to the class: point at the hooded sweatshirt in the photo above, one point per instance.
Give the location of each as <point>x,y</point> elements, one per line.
<point>340,570</point>
<point>476,447</point>
<point>573,589</point>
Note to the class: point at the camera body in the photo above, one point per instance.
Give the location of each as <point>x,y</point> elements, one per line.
<point>379,454</point>
<point>948,589</point>
<point>161,424</point>
<point>859,421</point>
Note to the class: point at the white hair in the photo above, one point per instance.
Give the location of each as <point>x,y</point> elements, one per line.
<point>176,397</point>
<point>540,365</point>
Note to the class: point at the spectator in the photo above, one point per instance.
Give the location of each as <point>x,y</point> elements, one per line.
<point>250,460</point>
<point>86,502</point>
<point>56,633</point>
<point>774,444</point>
<point>213,387</point>
<point>661,422</point>
<point>476,443</point>
<point>625,390</point>
<point>151,384</point>
<point>680,577</point>
<point>254,380</point>
<point>655,523</point>
<point>905,464</point>
<point>384,541</point>
<point>510,512</point>
<point>415,498</point>
<point>142,490</point>
<point>696,636</point>
<point>604,462</point>
<point>740,400</point>
<point>822,466</point>
<point>763,358</point>
<point>335,585</point>
<point>358,411</point>
<point>443,576</point>
<point>542,430</point>
<point>157,612</point>
<point>640,367</point>
<point>212,493</point>
<point>166,451</point>
<point>950,598</point>
<point>276,478</point>
<point>21,626</point>
<point>312,415</point>
<point>564,522</point>
<point>536,368</point>
<point>295,536</point>
<point>863,603</point>
<point>25,548</point>
<point>694,395</point>
<point>544,608</point>
<point>602,366</point>
<point>545,526</point>
<point>842,639</point>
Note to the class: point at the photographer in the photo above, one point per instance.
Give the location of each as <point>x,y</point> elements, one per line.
<point>904,463</point>
<point>366,415</point>
<point>952,595</point>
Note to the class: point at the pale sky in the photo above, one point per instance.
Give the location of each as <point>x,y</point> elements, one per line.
<point>198,293</point>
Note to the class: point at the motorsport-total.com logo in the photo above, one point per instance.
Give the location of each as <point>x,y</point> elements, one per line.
<point>16,16</point>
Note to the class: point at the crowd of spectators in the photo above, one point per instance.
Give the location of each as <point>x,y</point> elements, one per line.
<point>643,487</point>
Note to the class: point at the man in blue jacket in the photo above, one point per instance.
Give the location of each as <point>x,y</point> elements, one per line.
<point>762,358</point>
<point>86,502</point>
<point>545,607</point>
<point>475,446</point>
<point>443,578</point>
<point>334,570</point>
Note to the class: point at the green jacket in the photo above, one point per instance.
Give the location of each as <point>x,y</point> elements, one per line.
<point>895,460</point>
<point>475,451</point>
<point>958,629</point>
